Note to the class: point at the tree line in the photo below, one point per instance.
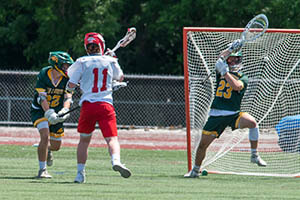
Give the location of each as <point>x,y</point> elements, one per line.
<point>30,29</point>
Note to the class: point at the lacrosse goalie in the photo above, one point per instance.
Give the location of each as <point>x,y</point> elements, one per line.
<point>225,111</point>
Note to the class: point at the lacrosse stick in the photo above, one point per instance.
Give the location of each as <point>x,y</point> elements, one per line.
<point>255,28</point>
<point>129,37</point>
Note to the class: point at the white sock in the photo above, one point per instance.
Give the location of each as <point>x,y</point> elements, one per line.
<point>42,164</point>
<point>80,167</point>
<point>115,158</point>
<point>196,168</point>
<point>254,152</point>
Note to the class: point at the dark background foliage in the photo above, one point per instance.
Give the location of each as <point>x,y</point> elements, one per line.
<point>30,29</point>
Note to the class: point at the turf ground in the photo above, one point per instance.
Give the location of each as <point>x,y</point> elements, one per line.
<point>156,174</point>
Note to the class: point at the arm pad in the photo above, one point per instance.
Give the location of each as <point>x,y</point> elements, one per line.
<point>42,96</point>
<point>69,99</point>
<point>70,90</point>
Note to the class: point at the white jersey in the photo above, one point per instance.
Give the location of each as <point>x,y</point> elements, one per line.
<point>95,74</point>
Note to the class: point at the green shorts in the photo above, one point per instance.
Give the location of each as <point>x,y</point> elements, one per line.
<point>215,125</point>
<point>37,116</point>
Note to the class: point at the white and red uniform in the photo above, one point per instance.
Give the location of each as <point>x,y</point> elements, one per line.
<point>95,74</point>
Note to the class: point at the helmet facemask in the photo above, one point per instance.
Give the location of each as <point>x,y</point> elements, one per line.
<point>92,39</point>
<point>92,49</point>
<point>234,61</point>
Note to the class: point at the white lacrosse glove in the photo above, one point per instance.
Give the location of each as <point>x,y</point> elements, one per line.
<point>236,45</point>
<point>117,85</point>
<point>222,67</point>
<point>61,112</point>
<point>52,116</point>
<point>111,53</point>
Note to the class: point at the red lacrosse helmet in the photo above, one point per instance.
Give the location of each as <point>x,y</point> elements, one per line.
<point>94,38</point>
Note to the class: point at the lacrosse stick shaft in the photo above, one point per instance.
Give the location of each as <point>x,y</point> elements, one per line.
<point>71,110</point>
<point>224,55</point>
<point>207,77</point>
<point>116,47</point>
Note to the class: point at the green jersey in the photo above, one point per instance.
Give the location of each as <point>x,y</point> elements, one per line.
<point>55,91</point>
<point>225,97</point>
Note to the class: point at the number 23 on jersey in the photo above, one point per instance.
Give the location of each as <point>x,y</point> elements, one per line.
<point>224,90</point>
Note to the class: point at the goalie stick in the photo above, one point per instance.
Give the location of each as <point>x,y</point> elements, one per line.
<point>255,28</point>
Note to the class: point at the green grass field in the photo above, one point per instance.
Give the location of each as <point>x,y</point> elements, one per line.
<point>156,175</point>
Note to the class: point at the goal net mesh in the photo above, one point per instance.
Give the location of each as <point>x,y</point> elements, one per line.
<point>272,63</point>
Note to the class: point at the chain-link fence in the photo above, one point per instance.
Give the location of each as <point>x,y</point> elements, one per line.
<point>147,101</point>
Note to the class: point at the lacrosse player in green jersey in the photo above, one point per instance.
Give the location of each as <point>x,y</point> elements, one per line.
<point>50,100</point>
<point>225,110</point>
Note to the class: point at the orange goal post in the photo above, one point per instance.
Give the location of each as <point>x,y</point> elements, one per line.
<point>272,63</point>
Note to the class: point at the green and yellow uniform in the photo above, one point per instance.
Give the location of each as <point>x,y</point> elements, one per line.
<point>55,98</point>
<point>226,99</point>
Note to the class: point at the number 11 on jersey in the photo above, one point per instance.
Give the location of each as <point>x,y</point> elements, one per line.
<point>95,88</point>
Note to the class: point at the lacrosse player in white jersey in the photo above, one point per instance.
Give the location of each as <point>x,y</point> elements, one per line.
<point>95,74</point>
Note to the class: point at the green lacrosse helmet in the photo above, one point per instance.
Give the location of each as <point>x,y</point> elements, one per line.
<point>234,61</point>
<point>58,58</point>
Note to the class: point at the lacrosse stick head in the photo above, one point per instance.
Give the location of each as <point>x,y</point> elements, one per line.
<point>255,28</point>
<point>129,37</point>
<point>94,38</point>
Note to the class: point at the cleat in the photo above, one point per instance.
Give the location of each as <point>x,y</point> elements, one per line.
<point>43,173</point>
<point>191,174</point>
<point>258,160</point>
<point>125,172</point>
<point>80,178</point>
<point>50,158</point>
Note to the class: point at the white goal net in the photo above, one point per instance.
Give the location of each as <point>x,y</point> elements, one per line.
<point>272,63</point>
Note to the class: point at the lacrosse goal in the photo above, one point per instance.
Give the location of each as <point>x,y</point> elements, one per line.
<point>272,63</point>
